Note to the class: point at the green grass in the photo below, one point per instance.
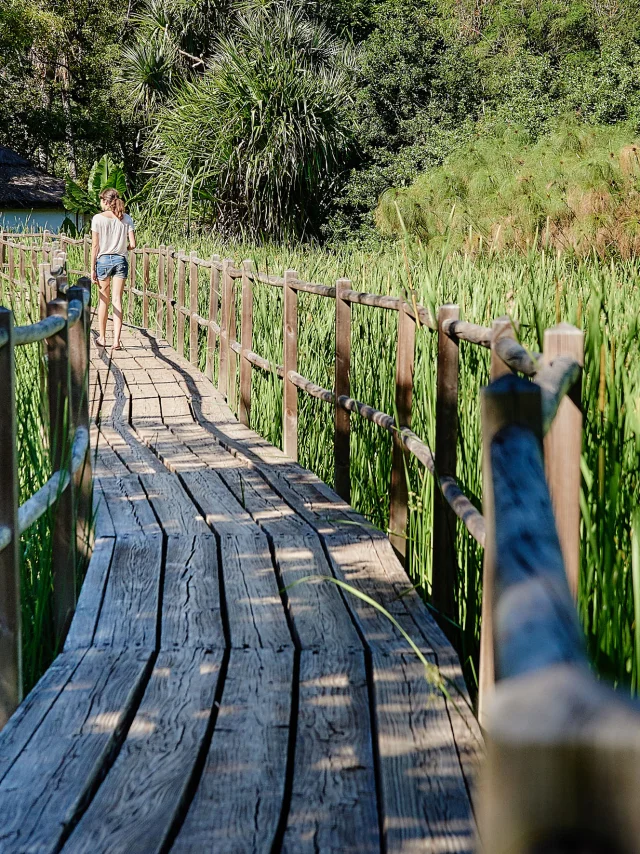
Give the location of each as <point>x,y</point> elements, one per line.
<point>539,289</point>
<point>575,190</point>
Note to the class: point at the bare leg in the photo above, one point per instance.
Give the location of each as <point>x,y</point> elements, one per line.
<point>103,310</point>
<point>118,287</point>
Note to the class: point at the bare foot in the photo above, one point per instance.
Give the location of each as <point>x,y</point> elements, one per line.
<point>101,343</point>
<point>117,346</point>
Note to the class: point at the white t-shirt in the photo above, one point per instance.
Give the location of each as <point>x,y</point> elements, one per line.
<point>113,233</point>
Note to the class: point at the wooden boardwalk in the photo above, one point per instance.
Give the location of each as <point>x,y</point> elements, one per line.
<point>203,704</point>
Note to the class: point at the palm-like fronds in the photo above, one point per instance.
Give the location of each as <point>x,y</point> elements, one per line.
<point>255,141</point>
<point>148,72</point>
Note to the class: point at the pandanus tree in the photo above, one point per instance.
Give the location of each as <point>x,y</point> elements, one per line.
<point>252,145</point>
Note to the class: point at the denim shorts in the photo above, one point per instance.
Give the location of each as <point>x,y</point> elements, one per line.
<point>112,265</point>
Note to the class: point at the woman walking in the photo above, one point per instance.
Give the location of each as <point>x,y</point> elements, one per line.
<point>112,235</point>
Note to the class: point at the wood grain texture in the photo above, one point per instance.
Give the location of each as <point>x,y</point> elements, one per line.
<point>69,750</point>
<point>128,505</point>
<point>34,708</point>
<point>129,614</point>
<point>84,622</point>
<point>426,803</point>
<point>134,809</point>
<point>333,800</point>
<point>256,613</point>
<point>318,611</point>
<point>237,805</point>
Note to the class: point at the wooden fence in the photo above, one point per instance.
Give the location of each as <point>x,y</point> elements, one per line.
<point>530,526</point>
<point>62,333</point>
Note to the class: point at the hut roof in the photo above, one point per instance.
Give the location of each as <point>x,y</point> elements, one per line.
<point>24,186</point>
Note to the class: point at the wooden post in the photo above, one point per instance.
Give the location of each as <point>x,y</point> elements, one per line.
<point>132,283</point>
<point>33,272</point>
<point>78,343</point>
<point>145,287</point>
<point>246,335</point>
<point>159,310</point>
<point>399,493</point>
<point>563,447</point>
<point>170,274</point>
<point>64,541</point>
<point>46,252</point>
<point>214,297</point>
<point>10,614</point>
<point>86,246</point>
<point>502,328</point>
<point>342,422</point>
<point>444,573</point>
<point>182,264</point>
<point>44,274</point>
<point>11,271</point>
<point>227,299</point>
<point>193,309</point>
<point>22,271</point>
<point>290,344</point>
<point>3,247</point>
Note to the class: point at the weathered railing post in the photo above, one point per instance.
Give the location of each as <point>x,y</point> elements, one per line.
<point>44,274</point>
<point>10,614</point>
<point>559,741</point>
<point>399,493</point>
<point>502,327</point>
<point>225,315</point>
<point>159,306</point>
<point>342,423</point>
<point>214,299</point>
<point>444,578</point>
<point>3,248</point>
<point>132,284</point>
<point>145,287</point>
<point>86,259</point>
<point>563,447</point>
<point>170,300</point>
<point>33,272</point>
<point>22,266</point>
<point>246,339</point>
<point>64,540</point>
<point>182,265</point>
<point>290,345</point>
<point>193,309</point>
<point>11,270</point>
<point>79,408</point>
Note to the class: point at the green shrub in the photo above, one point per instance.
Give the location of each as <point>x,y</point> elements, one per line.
<point>253,144</point>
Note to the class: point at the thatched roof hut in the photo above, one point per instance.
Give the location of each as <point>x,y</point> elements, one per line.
<point>24,187</point>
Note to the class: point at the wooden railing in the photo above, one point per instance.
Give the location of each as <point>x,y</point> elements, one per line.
<point>63,334</point>
<point>529,527</point>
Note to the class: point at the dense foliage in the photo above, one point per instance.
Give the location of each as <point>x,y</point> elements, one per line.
<point>403,84</point>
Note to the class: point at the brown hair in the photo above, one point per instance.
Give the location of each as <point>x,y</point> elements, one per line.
<point>112,199</point>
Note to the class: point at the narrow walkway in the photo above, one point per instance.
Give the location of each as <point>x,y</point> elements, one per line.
<point>198,707</point>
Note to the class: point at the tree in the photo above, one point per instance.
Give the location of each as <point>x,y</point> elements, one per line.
<point>254,144</point>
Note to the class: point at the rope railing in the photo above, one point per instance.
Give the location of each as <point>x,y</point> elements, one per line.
<point>62,333</point>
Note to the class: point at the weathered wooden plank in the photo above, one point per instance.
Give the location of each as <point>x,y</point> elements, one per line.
<point>237,805</point>
<point>87,612</point>
<point>177,513</point>
<point>318,611</point>
<point>103,524</point>
<point>33,709</point>
<point>136,806</point>
<point>128,505</point>
<point>333,799</point>
<point>426,803</point>
<point>254,606</point>
<point>70,749</point>
<point>129,614</point>
<point>191,598</point>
